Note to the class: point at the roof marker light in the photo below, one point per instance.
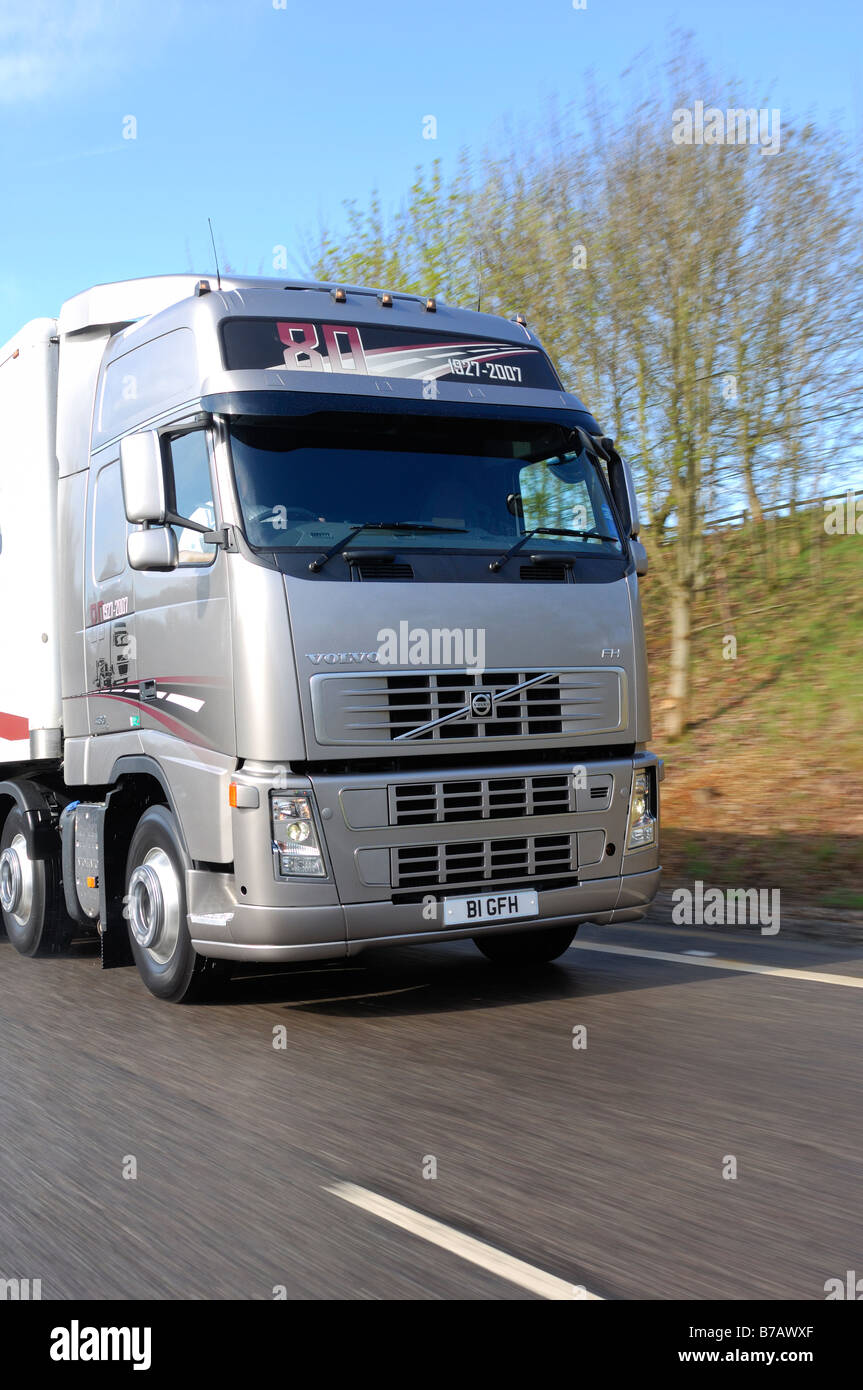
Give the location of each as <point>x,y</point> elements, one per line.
<point>386,300</point>
<point>202,287</point>
<point>339,296</point>
<point>431,305</point>
<point>520,320</point>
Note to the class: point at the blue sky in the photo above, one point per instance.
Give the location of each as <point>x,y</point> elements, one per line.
<point>267,114</point>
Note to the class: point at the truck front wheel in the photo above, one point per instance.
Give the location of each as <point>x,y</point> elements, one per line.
<point>31,894</point>
<point>526,947</point>
<point>156,912</point>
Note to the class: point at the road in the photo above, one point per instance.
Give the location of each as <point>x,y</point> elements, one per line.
<point>597,1167</point>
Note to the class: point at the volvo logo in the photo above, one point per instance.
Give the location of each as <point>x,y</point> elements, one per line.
<point>480,704</point>
<point>340,658</point>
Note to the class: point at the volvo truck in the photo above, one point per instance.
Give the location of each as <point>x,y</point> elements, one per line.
<point>321,632</point>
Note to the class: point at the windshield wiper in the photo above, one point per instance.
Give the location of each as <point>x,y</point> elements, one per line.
<point>320,560</point>
<point>548,531</point>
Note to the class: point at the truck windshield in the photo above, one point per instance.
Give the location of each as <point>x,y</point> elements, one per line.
<point>466,484</point>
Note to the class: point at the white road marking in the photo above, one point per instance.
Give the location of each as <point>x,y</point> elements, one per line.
<point>819,976</point>
<point>344,998</point>
<point>320,970</point>
<point>475,1251</point>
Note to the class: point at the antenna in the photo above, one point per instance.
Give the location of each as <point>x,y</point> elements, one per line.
<point>479,281</point>
<point>215,254</point>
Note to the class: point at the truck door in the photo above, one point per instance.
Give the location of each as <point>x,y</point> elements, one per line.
<point>110,636</point>
<point>182,636</point>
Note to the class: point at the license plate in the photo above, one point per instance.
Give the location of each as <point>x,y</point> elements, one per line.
<point>490,907</point>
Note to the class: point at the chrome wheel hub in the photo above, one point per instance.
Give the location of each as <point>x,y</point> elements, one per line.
<point>16,881</point>
<point>154,906</point>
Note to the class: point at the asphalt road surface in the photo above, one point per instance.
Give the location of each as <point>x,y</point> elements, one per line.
<point>561,1170</point>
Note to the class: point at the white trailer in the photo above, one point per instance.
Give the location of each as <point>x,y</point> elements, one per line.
<point>30,699</point>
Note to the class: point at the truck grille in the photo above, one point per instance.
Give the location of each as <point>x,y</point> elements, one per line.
<point>477,862</point>
<point>495,798</point>
<point>435,707</point>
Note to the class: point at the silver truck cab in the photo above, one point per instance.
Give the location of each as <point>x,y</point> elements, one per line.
<point>350,639</point>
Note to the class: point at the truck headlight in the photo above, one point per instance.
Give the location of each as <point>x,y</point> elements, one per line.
<point>642,821</point>
<point>295,837</point>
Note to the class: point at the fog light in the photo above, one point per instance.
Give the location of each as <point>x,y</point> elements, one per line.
<point>303,862</point>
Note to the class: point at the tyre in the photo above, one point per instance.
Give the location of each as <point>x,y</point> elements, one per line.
<point>526,947</point>
<point>156,913</point>
<point>31,895</point>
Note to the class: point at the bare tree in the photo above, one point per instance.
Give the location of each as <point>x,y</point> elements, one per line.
<point>704,300</point>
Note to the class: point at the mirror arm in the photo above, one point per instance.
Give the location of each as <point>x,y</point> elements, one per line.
<point>222,536</point>
<point>174,519</point>
<point>225,538</point>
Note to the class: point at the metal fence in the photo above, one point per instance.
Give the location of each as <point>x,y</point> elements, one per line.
<point>745,515</point>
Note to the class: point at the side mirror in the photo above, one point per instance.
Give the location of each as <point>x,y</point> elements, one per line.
<point>622,489</point>
<point>639,555</point>
<point>143,478</point>
<point>155,549</point>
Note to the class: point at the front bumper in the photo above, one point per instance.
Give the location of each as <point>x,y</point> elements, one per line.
<point>396,845</point>
<point>245,932</point>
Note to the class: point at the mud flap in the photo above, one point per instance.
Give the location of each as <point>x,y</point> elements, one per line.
<point>114,948</point>
<point>114,945</point>
<point>92,882</point>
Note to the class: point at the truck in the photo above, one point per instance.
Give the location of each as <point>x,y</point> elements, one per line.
<point>321,632</point>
